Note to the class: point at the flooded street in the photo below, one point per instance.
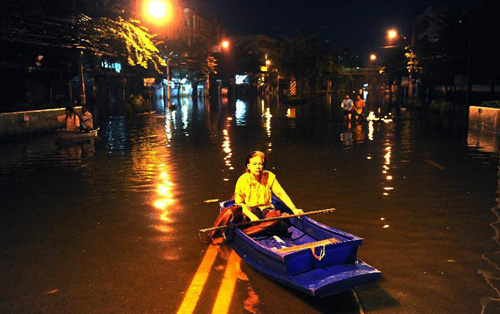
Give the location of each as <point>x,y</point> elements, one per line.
<point>112,225</point>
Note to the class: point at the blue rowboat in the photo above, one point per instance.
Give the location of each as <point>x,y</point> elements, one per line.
<point>312,258</point>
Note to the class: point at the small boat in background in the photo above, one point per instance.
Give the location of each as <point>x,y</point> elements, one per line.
<point>77,136</point>
<point>311,258</point>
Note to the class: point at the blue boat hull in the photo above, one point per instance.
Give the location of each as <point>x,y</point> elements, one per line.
<point>339,270</point>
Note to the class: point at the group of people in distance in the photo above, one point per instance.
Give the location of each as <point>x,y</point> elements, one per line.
<point>75,122</point>
<point>351,107</point>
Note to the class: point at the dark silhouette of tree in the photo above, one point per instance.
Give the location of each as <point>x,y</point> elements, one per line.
<point>127,39</point>
<point>308,61</point>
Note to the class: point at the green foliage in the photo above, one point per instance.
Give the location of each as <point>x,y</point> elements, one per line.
<point>416,104</point>
<point>125,39</point>
<point>440,106</point>
<point>491,104</point>
<point>434,105</point>
<point>195,61</point>
<point>133,104</point>
<point>308,61</point>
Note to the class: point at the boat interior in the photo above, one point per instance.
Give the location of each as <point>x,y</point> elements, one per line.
<point>299,234</point>
<point>294,239</point>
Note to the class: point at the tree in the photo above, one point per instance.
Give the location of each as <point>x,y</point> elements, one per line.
<point>196,62</point>
<point>126,39</point>
<point>308,61</point>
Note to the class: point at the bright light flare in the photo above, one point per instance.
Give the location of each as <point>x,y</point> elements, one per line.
<point>373,57</point>
<point>158,11</point>
<point>225,44</point>
<point>268,62</point>
<point>392,34</point>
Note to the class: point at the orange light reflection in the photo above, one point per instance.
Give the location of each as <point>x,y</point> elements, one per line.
<point>268,117</point>
<point>226,146</point>
<point>385,166</point>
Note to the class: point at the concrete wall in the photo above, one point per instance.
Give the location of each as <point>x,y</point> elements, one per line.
<point>27,122</point>
<point>485,141</point>
<point>484,118</point>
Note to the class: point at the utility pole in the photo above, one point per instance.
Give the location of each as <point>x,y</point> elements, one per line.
<point>83,98</point>
<point>166,91</point>
<point>207,90</point>
<point>168,81</point>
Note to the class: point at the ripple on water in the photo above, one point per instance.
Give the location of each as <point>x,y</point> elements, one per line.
<point>397,179</point>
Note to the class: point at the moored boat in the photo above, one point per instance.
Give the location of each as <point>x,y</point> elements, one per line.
<point>66,135</point>
<point>311,257</point>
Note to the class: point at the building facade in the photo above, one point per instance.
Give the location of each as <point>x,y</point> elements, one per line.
<point>262,46</point>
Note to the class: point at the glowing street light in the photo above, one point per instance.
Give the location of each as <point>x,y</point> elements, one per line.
<point>373,57</point>
<point>225,44</point>
<point>268,62</point>
<point>158,11</point>
<point>392,34</point>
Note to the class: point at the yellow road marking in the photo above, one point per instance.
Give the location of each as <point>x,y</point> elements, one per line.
<point>200,278</point>
<point>356,298</point>
<point>226,289</point>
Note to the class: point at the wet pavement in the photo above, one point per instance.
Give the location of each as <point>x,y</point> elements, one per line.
<point>111,225</point>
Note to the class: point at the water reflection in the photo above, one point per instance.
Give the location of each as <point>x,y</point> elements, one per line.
<point>360,134</point>
<point>241,111</point>
<point>387,186</point>
<point>267,121</point>
<point>291,114</point>
<point>163,199</point>
<point>481,143</point>
<point>489,303</point>
<point>347,138</point>
<point>226,146</point>
<point>145,173</point>
<point>370,130</point>
<point>153,174</point>
<point>484,141</point>
<point>184,114</point>
<point>169,127</point>
<point>77,151</point>
<point>267,116</point>
<point>406,138</point>
<point>115,135</point>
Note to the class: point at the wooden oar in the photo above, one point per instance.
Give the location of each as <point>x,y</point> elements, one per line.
<point>249,223</point>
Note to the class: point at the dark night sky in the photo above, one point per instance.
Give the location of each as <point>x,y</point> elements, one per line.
<point>359,25</point>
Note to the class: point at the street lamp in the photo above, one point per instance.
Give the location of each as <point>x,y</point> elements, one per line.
<point>225,44</point>
<point>158,12</point>
<point>398,40</point>
<point>268,64</point>
<point>392,34</point>
<point>373,57</point>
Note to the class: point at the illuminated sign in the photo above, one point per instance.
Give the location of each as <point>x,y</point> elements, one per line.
<point>241,79</point>
<point>112,65</point>
<point>149,81</point>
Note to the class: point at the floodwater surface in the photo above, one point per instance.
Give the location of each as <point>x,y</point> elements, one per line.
<point>111,225</point>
